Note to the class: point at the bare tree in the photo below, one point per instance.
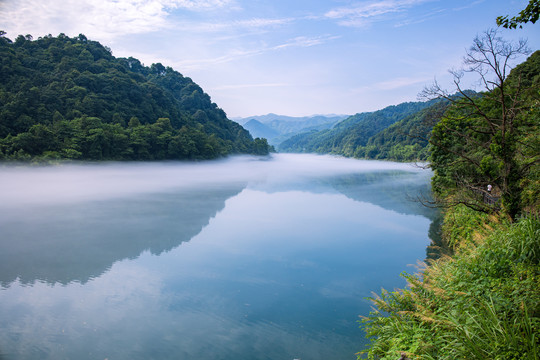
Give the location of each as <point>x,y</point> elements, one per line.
<point>479,141</point>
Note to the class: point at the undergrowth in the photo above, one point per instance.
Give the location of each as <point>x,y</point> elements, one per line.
<point>481,303</point>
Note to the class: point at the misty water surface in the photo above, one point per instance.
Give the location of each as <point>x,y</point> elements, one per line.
<point>244,258</point>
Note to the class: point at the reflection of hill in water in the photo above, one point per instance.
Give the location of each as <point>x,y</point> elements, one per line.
<point>397,191</point>
<point>392,190</point>
<point>77,242</point>
<point>438,247</point>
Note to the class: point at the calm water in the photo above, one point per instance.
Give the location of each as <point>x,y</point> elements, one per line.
<point>245,258</point>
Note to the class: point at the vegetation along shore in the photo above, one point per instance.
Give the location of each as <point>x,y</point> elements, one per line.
<point>481,299</point>
<point>69,98</point>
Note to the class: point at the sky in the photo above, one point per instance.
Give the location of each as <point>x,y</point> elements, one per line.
<point>289,57</point>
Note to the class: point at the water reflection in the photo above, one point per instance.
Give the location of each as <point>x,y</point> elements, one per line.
<point>71,223</point>
<point>244,259</point>
<point>394,190</point>
<point>77,242</point>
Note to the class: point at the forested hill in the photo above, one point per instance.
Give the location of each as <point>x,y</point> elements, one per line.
<point>63,97</point>
<point>407,139</point>
<point>351,136</point>
<point>480,300</point>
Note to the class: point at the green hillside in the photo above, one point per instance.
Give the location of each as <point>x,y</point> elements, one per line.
<point>406,140</point>
<point>482,302</point>
<point>63,97</point>
<point>350,136</point>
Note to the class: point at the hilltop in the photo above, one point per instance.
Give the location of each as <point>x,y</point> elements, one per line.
<point>65,97</point>
<point>358,135</point>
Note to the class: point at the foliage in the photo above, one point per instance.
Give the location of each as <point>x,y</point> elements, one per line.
<point>530,13</point>
<point>460,224</point>
<point>483,303</point>
<point>350,136</point>
<point>63,97</point>
<point>489,138</point>
<point>407,139</point>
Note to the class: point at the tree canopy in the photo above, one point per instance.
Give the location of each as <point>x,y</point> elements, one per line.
<point>351,136</point>
<point>63,97</point>
<point>407,139</point>
<point>487,145</point>
<point>530,13</point>
<point>481,302</point>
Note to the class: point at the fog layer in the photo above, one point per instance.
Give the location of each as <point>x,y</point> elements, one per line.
<point>73,182</point>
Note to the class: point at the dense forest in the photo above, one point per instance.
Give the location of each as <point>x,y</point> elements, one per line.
<point>481,299</point>
<point>407,139</point>
<point>356,136</point>
<point>70,98</point>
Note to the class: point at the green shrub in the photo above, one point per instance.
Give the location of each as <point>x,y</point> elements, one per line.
<point>484,303</point>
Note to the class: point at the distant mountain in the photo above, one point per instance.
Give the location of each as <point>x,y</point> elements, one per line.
<point>71,98</point>
<point>268,118</point>
<point>259,130</point>
<point>280,127</point>
<point>350,136</point>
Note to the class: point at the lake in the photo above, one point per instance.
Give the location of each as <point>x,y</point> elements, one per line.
<point>242,258</point>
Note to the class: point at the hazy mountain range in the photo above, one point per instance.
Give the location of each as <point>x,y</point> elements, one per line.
<point>397,132</point>
<point>278,128</point>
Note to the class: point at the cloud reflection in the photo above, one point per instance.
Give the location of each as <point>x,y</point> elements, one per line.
<point>276,256</point>
<point>72,222</point>
<point>128,314</point>
<point>69,183</point>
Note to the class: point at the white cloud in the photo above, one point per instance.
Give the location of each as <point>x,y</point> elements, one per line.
<point>469,5</point>
<point>304,41</point>
<point>249,86</point>
<point>301,41</point>
<point>238,25</point>
<point>198,5</point>
<point>361,14</point>
<point>399,83</point>
<point>261,22</point>
<point>431,15</point>
<point>393,84</point>
<point>99,19</point>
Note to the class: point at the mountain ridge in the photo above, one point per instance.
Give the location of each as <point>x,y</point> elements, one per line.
<point>353,133</point>
<point>272,116</point>
<point>70,98</point>
<point>278,128</point>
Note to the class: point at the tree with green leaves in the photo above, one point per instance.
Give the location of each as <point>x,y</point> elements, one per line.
<point>483,138</point>
<point>530,13</point>
<point>63,97</point>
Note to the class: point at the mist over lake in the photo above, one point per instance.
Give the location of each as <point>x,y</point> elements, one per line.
<point>242,258</point>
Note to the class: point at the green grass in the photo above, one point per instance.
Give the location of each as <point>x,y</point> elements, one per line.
<point>482,303</point>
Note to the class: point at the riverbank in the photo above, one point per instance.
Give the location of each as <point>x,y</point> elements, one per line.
<point>481,303</point>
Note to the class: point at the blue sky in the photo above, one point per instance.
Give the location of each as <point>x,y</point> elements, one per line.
<point>290,57</point>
